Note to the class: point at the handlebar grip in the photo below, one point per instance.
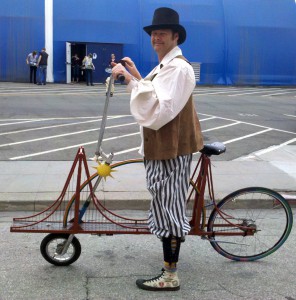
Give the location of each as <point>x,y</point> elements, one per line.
<point>121,78</point>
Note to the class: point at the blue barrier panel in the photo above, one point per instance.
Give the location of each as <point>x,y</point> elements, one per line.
<point>237,42</point>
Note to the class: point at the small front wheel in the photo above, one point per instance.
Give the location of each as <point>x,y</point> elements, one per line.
<point>250,224</point>
<point>52,247</point>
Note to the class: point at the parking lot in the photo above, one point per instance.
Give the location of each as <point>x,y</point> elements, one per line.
<point>50,122</point>
<point>40,131</point>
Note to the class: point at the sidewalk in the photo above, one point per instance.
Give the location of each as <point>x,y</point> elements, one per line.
<point>26,184</point>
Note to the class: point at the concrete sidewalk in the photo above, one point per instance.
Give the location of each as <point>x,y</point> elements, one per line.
<point>27,184</point>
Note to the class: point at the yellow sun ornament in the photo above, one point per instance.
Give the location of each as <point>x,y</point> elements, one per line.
<point>104,169</point>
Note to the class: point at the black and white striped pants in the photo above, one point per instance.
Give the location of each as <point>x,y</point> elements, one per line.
<point>168,183</point>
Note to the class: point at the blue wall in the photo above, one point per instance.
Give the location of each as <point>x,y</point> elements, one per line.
<point>21,32</point>
<point>260,42</point>
<point>237,41</point>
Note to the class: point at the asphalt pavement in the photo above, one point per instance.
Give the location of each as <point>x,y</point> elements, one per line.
<point>109,266</point>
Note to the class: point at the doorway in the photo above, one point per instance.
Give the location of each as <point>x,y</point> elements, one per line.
<point>101,57</point>
<point>80,50</point>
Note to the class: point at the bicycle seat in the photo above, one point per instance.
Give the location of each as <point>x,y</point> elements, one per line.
<point>213,149</point>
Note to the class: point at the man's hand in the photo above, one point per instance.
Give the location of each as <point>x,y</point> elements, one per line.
<point>130,66</point>
<point>119,70</point>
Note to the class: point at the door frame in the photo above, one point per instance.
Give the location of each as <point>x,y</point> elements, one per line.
<point>68,62</point>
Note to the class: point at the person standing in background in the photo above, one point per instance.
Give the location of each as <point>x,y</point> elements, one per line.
<point>32,62</point>
<point>89,67</point>
<point>42,64</point>
<point>75,68</point>
<point>112,60</point>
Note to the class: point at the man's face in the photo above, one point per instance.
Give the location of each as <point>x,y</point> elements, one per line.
<point>163,41</point>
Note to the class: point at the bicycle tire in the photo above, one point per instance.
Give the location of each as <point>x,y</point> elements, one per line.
<point>52,244</point>
<point>268,213</point>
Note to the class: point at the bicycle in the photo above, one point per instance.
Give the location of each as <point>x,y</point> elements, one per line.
<point>247,225</point>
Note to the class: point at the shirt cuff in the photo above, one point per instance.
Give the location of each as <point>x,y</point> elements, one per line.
<point>132,84</point>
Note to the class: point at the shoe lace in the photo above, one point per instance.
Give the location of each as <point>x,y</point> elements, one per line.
<point>157,277</point>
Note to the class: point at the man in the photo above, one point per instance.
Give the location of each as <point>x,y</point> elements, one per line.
<point>75,62</point>
<point>42,64</point>
<point>162,104</point>
<point>89,67</point>
<point>112,60</point>
<point>32,62</point>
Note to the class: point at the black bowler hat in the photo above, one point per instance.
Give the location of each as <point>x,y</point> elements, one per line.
<point>167,18</point>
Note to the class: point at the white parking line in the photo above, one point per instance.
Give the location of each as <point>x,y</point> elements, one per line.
<point>220,127</point>
<point>43,119</point>
<point>126,151</point>
<point>275,94</point>
<point>293,116</point>
<point>269,149</point>
<point>206,119</point>
<point>211,93</point>
<point>225,91</point>
<point>249,93</point>
<point>23,122</point>
<point>247,136</point>
<point>48,127</point>
<point>252,124</point>
<point>63,135</point>
<point>63,125</point>
<point>70,147</point>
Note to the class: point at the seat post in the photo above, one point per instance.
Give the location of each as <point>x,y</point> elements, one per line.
<point>199,196</point>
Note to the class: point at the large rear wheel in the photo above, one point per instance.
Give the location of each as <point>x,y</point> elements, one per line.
<point>262,218</point>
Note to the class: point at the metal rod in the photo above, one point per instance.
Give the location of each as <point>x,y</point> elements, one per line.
<point>67,244</point>
<point>104,117</point>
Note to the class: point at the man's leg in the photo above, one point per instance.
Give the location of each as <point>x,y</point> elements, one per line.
<point>35,71</point>
<point>87,76</point>
<point>76,75</point>
<point>168,182</point>
<point>91,77</point>
<point>45,74</point>
<point>31,74</point>
<point>168,280</point>
<point>39,75</point>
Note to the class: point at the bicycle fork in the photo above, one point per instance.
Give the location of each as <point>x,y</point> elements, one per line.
<point>63,248</point>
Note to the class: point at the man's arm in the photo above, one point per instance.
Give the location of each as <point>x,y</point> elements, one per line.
<point>155,103</point>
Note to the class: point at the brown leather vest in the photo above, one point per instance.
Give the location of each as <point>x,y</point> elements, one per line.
<point>181,136</point>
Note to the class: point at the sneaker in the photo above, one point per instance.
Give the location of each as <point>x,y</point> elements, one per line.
<point>166,281</point>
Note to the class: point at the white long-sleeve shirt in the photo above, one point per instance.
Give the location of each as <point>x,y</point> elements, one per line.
<point>155,103</point>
